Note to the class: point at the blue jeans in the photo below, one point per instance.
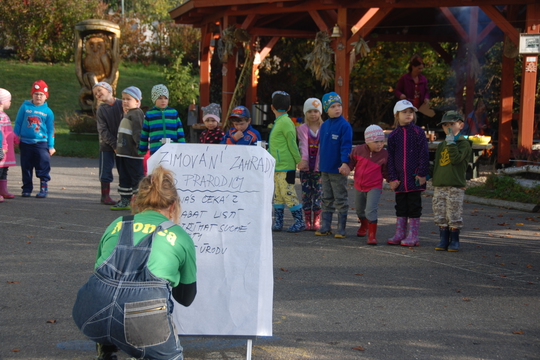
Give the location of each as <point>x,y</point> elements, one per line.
<point>106,164</point>
<point>34,156</point>
<point>367,203</point>
<point>125,305</point>
<point>334,193</point>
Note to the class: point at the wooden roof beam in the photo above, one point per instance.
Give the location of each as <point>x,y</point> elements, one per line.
<point>502,23</point>
<point>440,50</point>
<point>486,31</point>
<point>455,23</point>
<point>321,24</point>
<point>366,24</point>
<point>283,32</point>
<point>249,21</point>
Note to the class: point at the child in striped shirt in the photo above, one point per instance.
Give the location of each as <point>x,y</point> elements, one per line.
<point>161,123</point>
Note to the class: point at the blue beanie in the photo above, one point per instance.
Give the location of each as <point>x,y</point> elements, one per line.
<point>134,92</point>
<point>329,99</point>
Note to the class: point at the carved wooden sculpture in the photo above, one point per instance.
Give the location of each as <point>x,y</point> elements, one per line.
<point>97,57</point>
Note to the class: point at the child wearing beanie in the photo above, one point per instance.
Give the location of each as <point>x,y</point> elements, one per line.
<point>9,141</point>
<point>128,160</point>
<point>161,123</point>
<point>211,118</point>
<point>369,164</point>
<point>108,116</point>
<point>310,177</point>
<point>34,126</point>
<point>334,150</point>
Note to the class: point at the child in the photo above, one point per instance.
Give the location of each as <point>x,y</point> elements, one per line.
<point>308,137</point>
<point>335,147</point>
<point>211,118</point>
<point>282,146</point>
<point>34,126</point>
<point>9,142</point>
<point>450,166</point>
<point>108,116</point>
<point>129,162</point>
<point>408,166</point>
<point>242,133</point>
<point>161,123</point>
<point>369,164</point>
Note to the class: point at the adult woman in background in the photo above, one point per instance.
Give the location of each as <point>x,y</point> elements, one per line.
<point>143,261</point>
<point>413,86</point>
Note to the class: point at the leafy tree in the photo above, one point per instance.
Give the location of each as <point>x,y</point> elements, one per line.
<point>183,84</point>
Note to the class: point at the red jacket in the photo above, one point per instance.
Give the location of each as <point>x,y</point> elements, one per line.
<point>369,167</point>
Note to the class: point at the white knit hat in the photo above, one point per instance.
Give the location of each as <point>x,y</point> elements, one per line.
<point>159,90</point>
<point>5,96</point>
<point>373,133</point>
<point>312,104</point>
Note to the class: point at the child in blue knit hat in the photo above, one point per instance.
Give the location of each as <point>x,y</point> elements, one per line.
<point>334,149</point>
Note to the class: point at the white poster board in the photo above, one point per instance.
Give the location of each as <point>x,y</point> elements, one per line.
<point>226,193</point>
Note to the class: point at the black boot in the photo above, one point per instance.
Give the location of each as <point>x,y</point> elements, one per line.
<point>444,232</point>
<point>454,240</point>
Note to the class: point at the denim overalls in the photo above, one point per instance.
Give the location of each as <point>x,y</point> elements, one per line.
<point>124,304</point>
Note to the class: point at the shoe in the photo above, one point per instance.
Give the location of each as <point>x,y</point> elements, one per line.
<point>412,237</point>
<point>454,240</point>
<point>299,224</point>
<point>341,233</point>
<point>105,190</point>
<point>25,194</point>
<point>326,224</point>
<point>362,230</point>
<point>372,233</point>
<point>278,218</point>
<point>317,220</point>
<point>1,199</point>
<point>307,220</point>
<point>43,190</point>
<point>4,191</point>
<point>444,234</point>
<point>123,204</point>
<point>401,230</point>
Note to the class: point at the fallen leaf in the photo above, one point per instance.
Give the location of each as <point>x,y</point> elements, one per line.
<point>358,274</point>
<point>519,224</point>
<point>502,224</point>
<point>500,215</point>
<point>359,348</point>
<point>15,350</point>
<point>283,269</point>
<point>502,275</point>
<point>490,235</point>
<point>476,228</point>
<point>497,255</point>
<point>13,282</point>
<point>466,299</point>
<point>517,332</point>
<point>279,277</point>
<point>51,321</point>
<point>529,266</point>
<point>458,291</point>
<point>501,264</point>
<point>28,242</point>
<point>518,229</point>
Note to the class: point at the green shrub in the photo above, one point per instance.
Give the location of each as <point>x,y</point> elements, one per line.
<point>505,188</point>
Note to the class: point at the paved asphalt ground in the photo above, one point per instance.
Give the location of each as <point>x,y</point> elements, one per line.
<point>333,299</point>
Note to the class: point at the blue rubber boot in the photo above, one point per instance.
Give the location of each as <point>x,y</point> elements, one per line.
<point>326,224</point>
<point>454,240</point>
<point>444,232</point>
<point>342,225</point>
<point>278,217</point>
<point>43,190</point>
<point>299,224</point>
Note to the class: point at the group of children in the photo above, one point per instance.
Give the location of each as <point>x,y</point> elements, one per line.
<point>325,159</point>
<point>323,154</point>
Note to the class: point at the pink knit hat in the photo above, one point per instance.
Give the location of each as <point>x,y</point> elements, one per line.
<point>5,96</point>
<point>373,133</point>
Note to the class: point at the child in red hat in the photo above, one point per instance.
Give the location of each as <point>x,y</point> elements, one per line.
<point>34,126</point>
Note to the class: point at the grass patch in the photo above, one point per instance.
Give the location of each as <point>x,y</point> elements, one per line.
<point>505,188</point>
<point>18,77</point>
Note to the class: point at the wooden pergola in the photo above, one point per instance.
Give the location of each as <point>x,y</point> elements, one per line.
<point>430,21</point>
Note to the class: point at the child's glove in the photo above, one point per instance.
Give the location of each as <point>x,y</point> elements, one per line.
<point>450,138</point>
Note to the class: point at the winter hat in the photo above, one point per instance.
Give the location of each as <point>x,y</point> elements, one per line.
<point>373,133</point>
<point>240,112</point>
<point>134,92</point>
<point>212,111</point>
<point>329,99</point>
<point>104,85</point>
<point>312,104</point>
<point>451,116</point>
<point>5,96</point>
<point>402,105</point>
<point>159,90</point>
<point>40,86</point>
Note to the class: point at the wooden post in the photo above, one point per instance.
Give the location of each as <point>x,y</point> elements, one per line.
<point>341,82</point>
<point>206,56</point>
<point>228,72</point>
<point>471,54</point>
<point>528,82</point>
<point>507,100</point>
